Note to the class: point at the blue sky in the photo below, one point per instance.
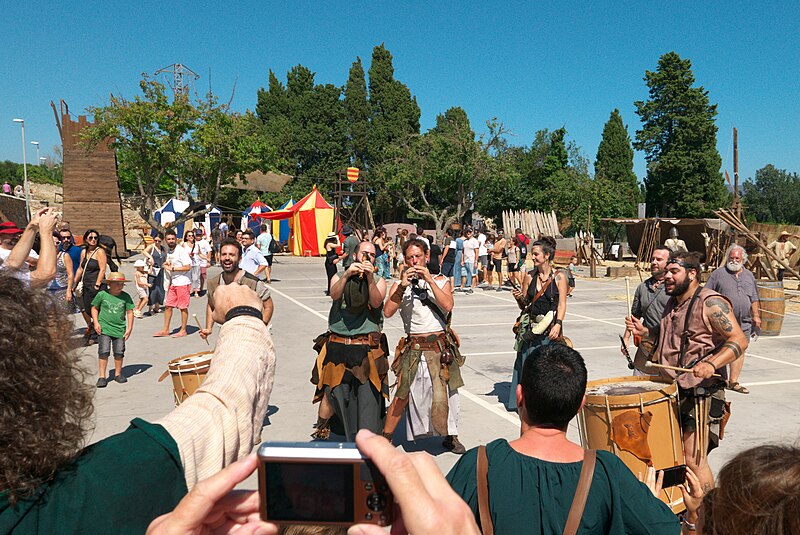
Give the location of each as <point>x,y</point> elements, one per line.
<point>532,65</point>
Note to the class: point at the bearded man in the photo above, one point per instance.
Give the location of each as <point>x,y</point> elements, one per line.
<point>738,284</point>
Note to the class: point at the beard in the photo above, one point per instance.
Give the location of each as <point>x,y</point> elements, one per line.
<point>733,267</point>
<point>678,288</point>
<point>229,268</point>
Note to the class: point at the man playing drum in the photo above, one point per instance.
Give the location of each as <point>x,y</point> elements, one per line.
<point>698,331</point>
<point>427,361</point>
<point>352,366</point>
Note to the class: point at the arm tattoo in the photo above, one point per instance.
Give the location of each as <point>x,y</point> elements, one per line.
<point>719,302</point>
<point>735,348</point>
<point>720,321</point>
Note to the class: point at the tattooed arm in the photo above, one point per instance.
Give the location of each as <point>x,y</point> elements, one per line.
<point>718,315</point>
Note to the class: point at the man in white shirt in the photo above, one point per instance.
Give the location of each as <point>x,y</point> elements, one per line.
<point>483,259</point>
<point>469,260</point>
<point>204,248</point>
<point>263,242</point>
<point>177,266</point>
<point>253,261</point>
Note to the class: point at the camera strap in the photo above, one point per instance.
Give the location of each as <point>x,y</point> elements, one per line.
<point>424,298</point>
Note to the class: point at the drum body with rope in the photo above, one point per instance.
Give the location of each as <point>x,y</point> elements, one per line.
<point>636,419</point>
<point>188,373</point>
<point>771,304</point>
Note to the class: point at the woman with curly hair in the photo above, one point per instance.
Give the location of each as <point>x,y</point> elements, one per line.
<point>50,483</point>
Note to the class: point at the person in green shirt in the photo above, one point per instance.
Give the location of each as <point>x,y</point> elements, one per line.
<point>112,316</point>
<point>532,480</point>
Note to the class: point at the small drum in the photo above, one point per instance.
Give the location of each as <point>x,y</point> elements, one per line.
<point>636,419</point>
<point>188,373</point>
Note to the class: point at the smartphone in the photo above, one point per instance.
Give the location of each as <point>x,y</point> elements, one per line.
<point>674,476</point>
<point>321,483</point>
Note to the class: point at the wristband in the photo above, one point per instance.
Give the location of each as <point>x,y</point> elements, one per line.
<point>559,322</point>
<point>689,525</point>
<point>243,310</point>
<point>397,296</point>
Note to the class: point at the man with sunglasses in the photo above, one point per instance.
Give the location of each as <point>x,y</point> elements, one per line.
<point>351,369</point>
<point>698,331</point>
<point>67,245</point>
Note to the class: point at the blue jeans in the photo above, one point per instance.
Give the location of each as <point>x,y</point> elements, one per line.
<point>469,271</point>
<point>105,344</point>
<point>383,266</point>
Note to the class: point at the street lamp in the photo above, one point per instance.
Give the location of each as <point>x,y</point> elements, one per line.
<point>37,151</point>
<point>24,168</point>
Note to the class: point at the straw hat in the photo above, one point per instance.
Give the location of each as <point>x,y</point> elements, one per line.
<point>116,276</point>
<point>784,233</point>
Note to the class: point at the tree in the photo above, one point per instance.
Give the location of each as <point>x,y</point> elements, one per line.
<point>679,139</point>
<point>437,175</point>
<point>156,145</point>
<point>773,196</point>
<point>395,113</point>
<point>616,187</point>
<point>357,114</point>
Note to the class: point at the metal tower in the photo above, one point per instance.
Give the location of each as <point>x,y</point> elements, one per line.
<point>181,74</point>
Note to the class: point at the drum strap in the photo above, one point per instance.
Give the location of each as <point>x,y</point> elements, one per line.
<point>578,502</point>
<point>685,333</point>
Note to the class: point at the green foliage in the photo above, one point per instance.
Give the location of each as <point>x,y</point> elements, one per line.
<point>357,114</point>
<point>616,187</point>
<point>773,196</point>
<point>163,143</point>
<point>679,138</point>
<point>47,173</point>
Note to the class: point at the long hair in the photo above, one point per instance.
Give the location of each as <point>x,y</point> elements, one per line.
<point>45,406</point>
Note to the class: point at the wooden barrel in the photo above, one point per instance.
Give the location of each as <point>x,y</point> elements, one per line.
<point>771,302</point>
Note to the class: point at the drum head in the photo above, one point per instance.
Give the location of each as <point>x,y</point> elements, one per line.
<point>190,363</point>
<point>624,388</point>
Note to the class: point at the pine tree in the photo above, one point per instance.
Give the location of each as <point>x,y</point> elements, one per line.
<point>395,113</point>
<point>357,113</point>
<point>679,139</point>
<point>617,190</point>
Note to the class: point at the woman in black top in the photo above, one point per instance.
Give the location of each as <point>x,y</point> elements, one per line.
<point>156,254</point>
<point>91,272</point>
<point>331,258</point>
<point>553,298</point>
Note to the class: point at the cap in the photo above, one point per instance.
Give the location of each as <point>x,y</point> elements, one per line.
<point>784,233</point>
<point>347,230</point>
<point>9,227</point>
<point>331,235</point>
<point>140,263</point>
<point>115,276</point>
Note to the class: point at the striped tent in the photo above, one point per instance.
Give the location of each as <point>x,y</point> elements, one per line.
<point>311,219</point>
<point>280,228</point>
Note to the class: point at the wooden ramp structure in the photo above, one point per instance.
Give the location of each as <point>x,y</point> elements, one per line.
<point>91,185</point>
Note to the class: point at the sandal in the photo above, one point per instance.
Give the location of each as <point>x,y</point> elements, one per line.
<point>736,387</point>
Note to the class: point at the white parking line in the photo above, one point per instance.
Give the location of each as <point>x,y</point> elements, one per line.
<point>748,354</point>
<point>498,409</point>
<point>767,383</point>
<point>298,303</point>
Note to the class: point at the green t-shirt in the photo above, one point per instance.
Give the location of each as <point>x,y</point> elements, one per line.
<point>529,495</point>
<point>112,311</point>
<point>118,485</point>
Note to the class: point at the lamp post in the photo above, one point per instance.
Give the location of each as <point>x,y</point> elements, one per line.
<point>24,168</point>
<point>37,151</point>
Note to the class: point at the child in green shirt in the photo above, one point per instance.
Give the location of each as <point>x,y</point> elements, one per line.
<point>112,316</point>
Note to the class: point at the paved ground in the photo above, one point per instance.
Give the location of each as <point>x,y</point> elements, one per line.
<point>483,320</point>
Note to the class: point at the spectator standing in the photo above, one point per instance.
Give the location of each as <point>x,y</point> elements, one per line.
<point>224,227</point>
<point>349,246</point>
<point>89,277</point>
<point>572,270</point>
<point>61,286</point>
<point>204,254</point>
<point>6,188</point>
<point>449,258</point>
<point>112,317</point>
<point>498,250</point>
<point>142,286</point>
<point>469,261</point>
<point>738,284</point>
<point>156,255</point>
<point>435,259</point>
<point>523,242</point>
<point>513,262</point>
<point>19,191</point>
<point>190,244</point>
<point>178,265</point>
<point>331,258</point>
<point>421,236</point>
<point>264,244</point>
<point>483,260</point>
<point>458,267</point>
<point>67,244</point>
<point>531,480</point>
<point>382,253</point>
<point>783,249</point>
<point>253,261</point>
<point>217,234</point>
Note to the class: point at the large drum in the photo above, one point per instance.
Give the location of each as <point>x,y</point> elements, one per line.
<point>636,419</point>
<point>188,373</point>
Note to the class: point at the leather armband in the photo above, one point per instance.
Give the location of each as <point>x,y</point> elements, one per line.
<point>397,296</point>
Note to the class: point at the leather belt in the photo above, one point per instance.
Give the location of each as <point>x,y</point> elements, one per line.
<point>426,343</point>
<point>361,339</point>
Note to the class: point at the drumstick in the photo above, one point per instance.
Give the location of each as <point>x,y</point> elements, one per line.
<point>200,327</point>
<point>649,364</point>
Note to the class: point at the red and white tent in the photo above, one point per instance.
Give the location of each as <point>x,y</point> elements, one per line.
<point>311,220</point>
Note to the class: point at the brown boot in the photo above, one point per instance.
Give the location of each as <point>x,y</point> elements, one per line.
<point>452,444</point>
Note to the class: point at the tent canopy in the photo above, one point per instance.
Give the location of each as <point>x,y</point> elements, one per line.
<point>169,213</point>
<point>689,230</point>
<point>258,181</point>
<point>311,221</point>
<point>250,219</point>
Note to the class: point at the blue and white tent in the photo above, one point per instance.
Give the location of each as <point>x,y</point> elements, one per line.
<point>169,213</point>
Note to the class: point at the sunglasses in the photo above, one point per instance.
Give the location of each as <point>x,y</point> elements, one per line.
<point>66,238</point>
<point>157,241</point>
<point>91,238</point>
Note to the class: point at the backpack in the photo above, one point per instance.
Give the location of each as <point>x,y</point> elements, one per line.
<point>274,246</point>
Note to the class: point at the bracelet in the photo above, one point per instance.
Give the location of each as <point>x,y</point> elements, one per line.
<point>689,525</point>
<point>243,310</point>
<point>559,322</point>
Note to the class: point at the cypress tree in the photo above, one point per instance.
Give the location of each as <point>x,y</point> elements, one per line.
<point>679,139</point>
<point>615,182</point>
<point>357,113</point>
